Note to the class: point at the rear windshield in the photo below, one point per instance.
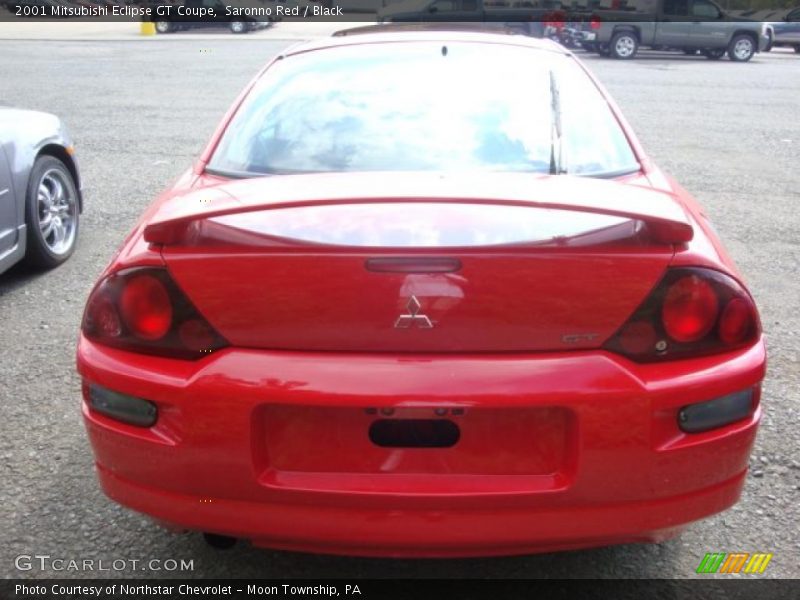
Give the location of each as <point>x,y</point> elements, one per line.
<point>424,107</point>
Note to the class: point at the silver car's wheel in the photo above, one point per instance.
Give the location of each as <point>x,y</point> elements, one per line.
<point>163,26</point>
<point>237,27</point>
<point>52,213</point>
<point>742,48</point>
<point>57,208</point>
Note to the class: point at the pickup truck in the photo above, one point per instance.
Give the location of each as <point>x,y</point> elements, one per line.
<point>688,25</point>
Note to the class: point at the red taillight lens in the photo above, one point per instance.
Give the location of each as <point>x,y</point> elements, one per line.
<point>637,337</point>
<point>142,310</point>
<point>737,321</point>
<point>196,335</point>
<point>691,312</point>
<point>105,317</point>
<point>595,23</point>
<point>146,307</point>
<point>690,309</point>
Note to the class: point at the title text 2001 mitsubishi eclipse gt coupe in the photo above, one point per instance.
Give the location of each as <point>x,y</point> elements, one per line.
<point>423,294</point>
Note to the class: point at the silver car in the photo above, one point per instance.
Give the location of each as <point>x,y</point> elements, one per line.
<point>40,190</point>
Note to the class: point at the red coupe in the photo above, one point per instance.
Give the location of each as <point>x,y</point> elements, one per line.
<point>423,294</point>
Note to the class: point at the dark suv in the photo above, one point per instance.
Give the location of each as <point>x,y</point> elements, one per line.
<point>185,18</point>
<point>787,30</point>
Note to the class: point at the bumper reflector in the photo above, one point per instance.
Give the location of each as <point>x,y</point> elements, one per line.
<point>121,407</point>
<point>716,413</point>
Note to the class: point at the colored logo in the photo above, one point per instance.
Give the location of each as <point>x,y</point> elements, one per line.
<point>736,562</point>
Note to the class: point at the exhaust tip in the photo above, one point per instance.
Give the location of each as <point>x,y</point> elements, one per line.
<point>219,542</point>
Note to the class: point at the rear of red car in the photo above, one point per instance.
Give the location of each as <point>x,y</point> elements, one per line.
<point>420,363</point>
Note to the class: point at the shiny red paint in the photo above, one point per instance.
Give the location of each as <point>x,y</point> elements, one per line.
<point>563,444</point>
<point>492,304</point>
<point>619,469</point>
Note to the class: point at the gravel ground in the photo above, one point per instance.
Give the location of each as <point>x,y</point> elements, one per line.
<point>141,112</point>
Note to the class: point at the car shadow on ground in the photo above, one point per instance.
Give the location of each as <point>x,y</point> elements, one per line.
<point>18,276</point>
<point>668,57</point>
<point>625,561</point>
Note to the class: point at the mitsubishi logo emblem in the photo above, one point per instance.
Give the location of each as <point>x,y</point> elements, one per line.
<point>413,317</point>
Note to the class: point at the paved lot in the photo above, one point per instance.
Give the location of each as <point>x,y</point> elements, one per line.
<point>141,111</point>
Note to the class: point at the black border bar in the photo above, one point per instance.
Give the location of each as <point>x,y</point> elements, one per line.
<point>391,589</point>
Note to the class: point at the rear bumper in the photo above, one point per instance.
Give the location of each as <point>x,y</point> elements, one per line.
<point>426,533</point>
<point>272,446</point>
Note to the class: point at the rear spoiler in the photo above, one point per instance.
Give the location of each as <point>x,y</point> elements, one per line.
<point>666,219</point>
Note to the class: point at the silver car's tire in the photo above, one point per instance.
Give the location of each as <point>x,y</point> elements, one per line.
<point>163,26</point>
<point>742,48</point>
<point>52,214</point>
<point>624,45</point>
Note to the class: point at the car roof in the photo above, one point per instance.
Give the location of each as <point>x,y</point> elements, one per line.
<point>444,36</point>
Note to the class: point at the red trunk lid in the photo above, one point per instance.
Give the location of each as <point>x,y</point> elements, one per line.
<point>445,272</point>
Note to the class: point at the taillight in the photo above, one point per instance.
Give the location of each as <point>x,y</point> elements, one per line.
<point>690,309</point>
<point>736,322</point>
<point>595,23</point>
<point>143,310</point>
<point>691,312</point>
<point>146,307</point>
